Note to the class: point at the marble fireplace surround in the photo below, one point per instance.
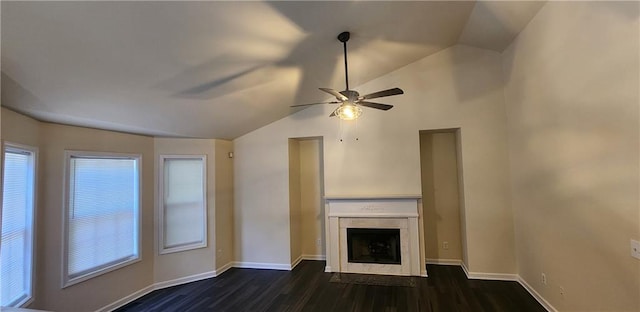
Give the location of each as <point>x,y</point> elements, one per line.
<point>390,212</point>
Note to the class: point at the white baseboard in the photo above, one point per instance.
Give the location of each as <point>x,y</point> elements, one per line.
<point>444,261</point>
<point>262,265</point>
<point>184,280</point>
<point>307,257</point>
<point>224,268</point>
<point>144,291</point>
<point>510,277</point>
<point>464,268</point>
<point>314,257</point>
<point>197,277</point>
<point>489,276</point>
<point>279,266</point>
<point>536,295</point>
<point>123,301</point>
<point>296,262</point>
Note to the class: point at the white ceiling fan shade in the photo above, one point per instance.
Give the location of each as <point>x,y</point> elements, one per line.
<point>348,111</point>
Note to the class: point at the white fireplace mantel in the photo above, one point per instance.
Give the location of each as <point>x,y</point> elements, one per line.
<point>403,212</point>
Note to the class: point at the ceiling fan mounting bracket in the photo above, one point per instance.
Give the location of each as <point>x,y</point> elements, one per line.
<point>344,36</point>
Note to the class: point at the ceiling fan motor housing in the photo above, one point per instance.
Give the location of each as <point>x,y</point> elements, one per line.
<point>351,94</point>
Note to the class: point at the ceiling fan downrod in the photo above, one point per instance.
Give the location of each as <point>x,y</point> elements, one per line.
<point>344,37</point>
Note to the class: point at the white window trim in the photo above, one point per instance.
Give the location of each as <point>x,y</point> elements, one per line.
<point>66,280</point>
<point>160,207</point>
<point>34,150</point>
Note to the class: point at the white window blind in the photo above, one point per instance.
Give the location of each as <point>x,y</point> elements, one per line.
<point>16,250</point>
<point>102,214</point>
<point>183,203</point>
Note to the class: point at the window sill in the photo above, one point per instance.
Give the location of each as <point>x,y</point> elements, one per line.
<point>66,281</point>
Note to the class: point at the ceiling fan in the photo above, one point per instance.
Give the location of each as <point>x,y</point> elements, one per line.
<point>350,100</point>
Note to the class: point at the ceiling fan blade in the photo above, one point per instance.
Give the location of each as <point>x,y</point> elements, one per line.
<point>376,105</point>
<point>389,92</point>
<point>309,104</point>
<point>335,93</point>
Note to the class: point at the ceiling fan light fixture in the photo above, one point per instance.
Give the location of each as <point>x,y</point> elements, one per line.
<point>351,101</point>
<point>348,111</point>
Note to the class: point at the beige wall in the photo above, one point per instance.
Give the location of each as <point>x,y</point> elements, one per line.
<point>224,203</point>
<point>312,212</point>
<point>460,87</point>
<point>295,222</point>
<point>438,166</point>
<point>196,261</point>
<point>18,128</point>
<point>572,97</point>
<point>461,200</point>
<point>53,140</point>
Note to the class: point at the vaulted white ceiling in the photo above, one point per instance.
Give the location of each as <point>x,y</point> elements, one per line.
<point>220,69</point>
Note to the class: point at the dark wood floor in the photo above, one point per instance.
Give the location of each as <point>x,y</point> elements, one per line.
<point>307,288</point>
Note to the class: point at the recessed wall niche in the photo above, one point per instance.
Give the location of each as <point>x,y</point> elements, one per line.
<point>443,239</point>
<point>306,192</point>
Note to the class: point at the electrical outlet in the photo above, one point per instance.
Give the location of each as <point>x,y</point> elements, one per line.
<point>543,279</point>
<point>635,248</point>
<point>445,245</point>
<point>562,292</point>
<point>319,242</point>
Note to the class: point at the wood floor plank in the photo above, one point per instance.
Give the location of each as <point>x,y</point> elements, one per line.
<point>307,288</point>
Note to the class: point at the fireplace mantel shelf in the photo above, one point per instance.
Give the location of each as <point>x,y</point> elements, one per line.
<point>373,215</point>
<point>371,197</point>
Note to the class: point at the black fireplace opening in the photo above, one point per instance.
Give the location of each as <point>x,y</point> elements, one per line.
<point>373,245</point>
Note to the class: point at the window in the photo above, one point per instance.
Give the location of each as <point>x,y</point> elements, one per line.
<point>183,203</point>
<point>102,215</point>
<point>18,202</point>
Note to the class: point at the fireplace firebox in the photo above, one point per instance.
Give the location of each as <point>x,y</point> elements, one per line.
<point>373,246</point>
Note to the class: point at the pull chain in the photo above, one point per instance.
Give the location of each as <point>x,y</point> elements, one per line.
<point>341,131</point>
<point>356,130</point>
